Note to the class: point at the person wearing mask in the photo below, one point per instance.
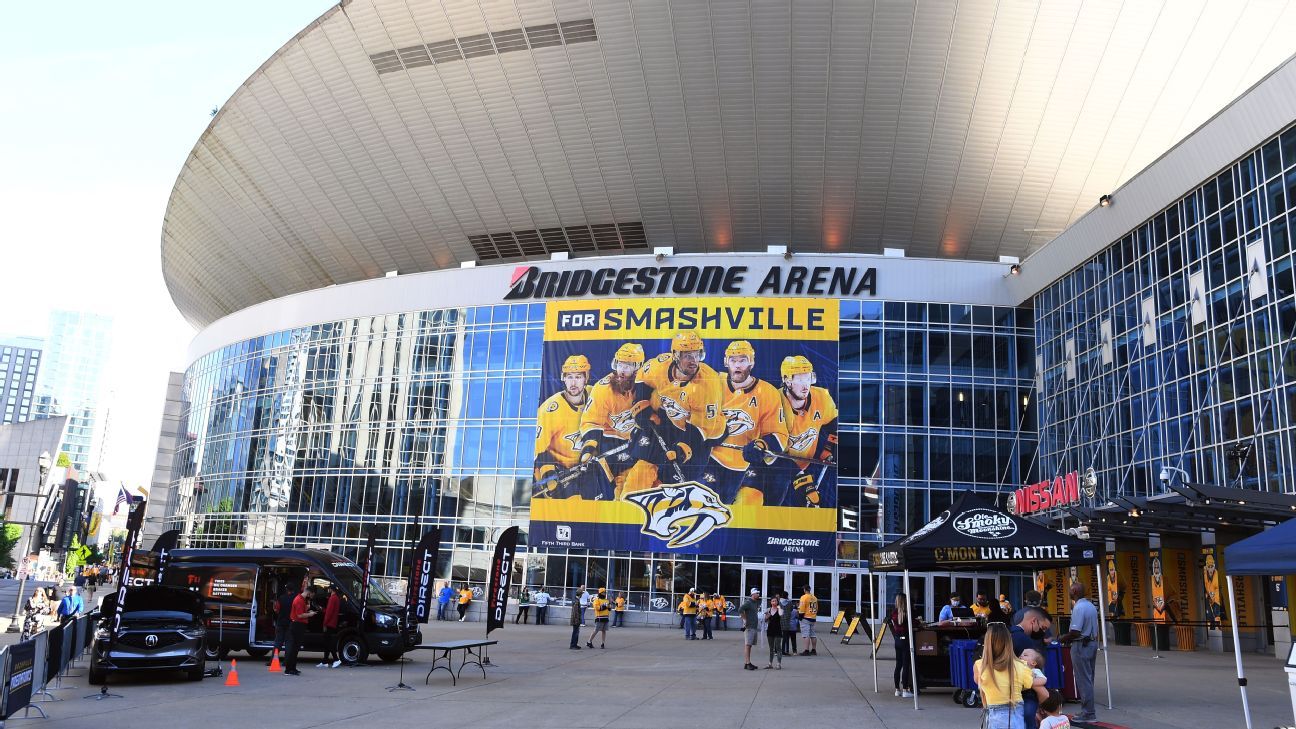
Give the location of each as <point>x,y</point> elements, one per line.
<point>618,612</point>
<point>1032,599</point>
<point>443,601</point>
<point>790,616</point>
<point>602,616</point>
<point>70,606</point>
<point>1032,631</point>
<point>332,609</point>
<point>749,612</point>
<point>465,599</point>
<point>774,632</point>
<point>954,609</point>
<point>299,616</point>
<point>981,606</point>
<point>542,599</point>
<point>1083,639</point>
<point>524,606</point>
<point>1001,679</point>
<point>898,623</point>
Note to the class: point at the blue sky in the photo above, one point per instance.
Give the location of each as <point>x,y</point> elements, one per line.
<point>102,103</point>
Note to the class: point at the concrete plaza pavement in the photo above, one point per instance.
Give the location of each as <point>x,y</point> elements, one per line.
<point>647,677</point>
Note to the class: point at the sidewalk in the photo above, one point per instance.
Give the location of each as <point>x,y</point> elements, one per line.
<point>647,678</point>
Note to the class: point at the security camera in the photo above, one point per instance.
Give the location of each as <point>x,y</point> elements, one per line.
<point>1165,475</point>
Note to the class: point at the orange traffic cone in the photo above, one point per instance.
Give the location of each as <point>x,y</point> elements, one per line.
<point>274,663</point>
<point>232,678</point>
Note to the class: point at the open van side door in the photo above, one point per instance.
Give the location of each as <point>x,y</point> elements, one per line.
<point>227,589</point>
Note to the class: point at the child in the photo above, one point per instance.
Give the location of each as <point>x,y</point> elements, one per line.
<point>1050,714</point>
<point>1035,662</point>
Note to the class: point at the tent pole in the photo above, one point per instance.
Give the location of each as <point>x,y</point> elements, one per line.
<point>873,609</point>
<point>1102,627</point>
<point>1237,651</point>
<point>913,665</point>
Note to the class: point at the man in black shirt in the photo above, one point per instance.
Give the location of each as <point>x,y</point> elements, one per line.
<point>1031,631</point>
<point>283,620</point>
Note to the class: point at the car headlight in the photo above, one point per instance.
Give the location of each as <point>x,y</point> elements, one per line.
<point>383,620</point>
<point>102,633</point>
<point>192,633</point>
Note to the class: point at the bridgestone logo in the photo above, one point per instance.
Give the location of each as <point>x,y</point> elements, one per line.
<point>789,542</point>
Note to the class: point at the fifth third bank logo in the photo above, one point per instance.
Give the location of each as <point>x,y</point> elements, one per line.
<point>563,533</point>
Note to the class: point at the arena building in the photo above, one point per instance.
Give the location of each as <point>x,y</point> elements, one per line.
<point>393,232</point>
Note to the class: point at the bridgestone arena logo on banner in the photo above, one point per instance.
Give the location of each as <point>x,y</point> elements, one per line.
<point>985,524</point>
<point>529,282</point>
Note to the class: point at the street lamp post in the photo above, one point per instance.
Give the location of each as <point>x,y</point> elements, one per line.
<point>44,462</point>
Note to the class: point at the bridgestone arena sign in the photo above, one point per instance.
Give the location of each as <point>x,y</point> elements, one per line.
<point>529,282</point>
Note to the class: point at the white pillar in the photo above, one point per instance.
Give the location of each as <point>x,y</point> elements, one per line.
<point>1237,651</point>
<point>913,665</point>
<point>1102,629</point>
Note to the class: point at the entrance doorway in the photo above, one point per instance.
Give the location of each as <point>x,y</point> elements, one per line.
<point>825,582</point>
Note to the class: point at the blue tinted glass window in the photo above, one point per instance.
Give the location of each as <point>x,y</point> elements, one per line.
<point>870,350</point>
<point>870,310</point>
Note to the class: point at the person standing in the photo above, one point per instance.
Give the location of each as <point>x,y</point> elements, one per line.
<point>721,608</point>
<point>542,599</point>
<point>749,611</point>
<point>524,606</point>
<point>602,616</point>
<point>283,620</point>
<point>443,601</point>
<point>1001,678</point>
<point>774,632</point>
<point>1083,638</point>
<point>575,626</point>
<point>898,622</point>
<point>809,609</point>
<point>789,646</point>
<point>300,616</point>
<point>465,599</point>
<point>618,613</point>
<point>70,606</point>
<point>704,616</point>
<point>583,596</point>
<point>332,609</point>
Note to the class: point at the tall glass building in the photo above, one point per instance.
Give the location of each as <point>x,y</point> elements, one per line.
<point>72,381</point>
<point>373,265</point>
<point>19,366</point>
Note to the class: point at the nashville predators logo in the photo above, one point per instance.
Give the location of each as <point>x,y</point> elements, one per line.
<point>802,441</point>
<point>682,514</point>
<point>738,421</point>
<point>674,410</point>
<point>622,421</point>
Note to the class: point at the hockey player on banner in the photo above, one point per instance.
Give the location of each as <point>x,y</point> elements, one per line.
<point>683,413</point>
<point>558,422</point>
<point>811,418</point>
<point>755,431</point>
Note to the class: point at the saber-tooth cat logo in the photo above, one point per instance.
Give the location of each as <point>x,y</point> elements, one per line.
<point>682,514</point>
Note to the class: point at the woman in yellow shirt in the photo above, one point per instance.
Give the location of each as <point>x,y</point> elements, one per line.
<point>465,597</point>
<point>1002,678</point>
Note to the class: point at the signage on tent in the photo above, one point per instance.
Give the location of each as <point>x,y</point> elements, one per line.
<point>985,524</point>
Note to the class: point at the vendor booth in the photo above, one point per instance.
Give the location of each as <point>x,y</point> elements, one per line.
<point>974,535</point>
<point>1271,552</point>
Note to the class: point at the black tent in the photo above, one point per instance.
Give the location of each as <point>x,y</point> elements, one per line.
<point>973,534</point>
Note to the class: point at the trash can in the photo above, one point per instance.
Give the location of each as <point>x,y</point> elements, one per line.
<point>1185,638</point>
<point>1143,634</point>
<point>1122,633</point>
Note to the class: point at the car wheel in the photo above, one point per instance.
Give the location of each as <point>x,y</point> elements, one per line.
<point>195,674</point>
<point>352,648</point>
<point>258,652</point>
<point>215,652</point>
<point>390,657</point>
<point>97,677</point>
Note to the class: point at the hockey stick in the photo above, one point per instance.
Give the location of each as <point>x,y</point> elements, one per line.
<point>772,454</point>
<point>542,488</point>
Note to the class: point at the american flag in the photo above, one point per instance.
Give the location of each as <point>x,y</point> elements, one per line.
<point>122,498</point>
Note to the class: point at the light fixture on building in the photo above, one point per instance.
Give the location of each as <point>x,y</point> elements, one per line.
<point>1014,270</point>
<point>1105,201</point>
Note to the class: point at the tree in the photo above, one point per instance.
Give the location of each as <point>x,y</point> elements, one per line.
<point>9,536</point>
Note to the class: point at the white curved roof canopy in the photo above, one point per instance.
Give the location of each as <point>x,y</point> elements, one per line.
<point>411,136</point>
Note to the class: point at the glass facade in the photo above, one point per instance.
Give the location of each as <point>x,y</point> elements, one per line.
<point>310,437</point>
<point>1173,346</point>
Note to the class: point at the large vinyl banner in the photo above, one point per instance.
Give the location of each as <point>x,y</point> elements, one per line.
<point>703,426</point>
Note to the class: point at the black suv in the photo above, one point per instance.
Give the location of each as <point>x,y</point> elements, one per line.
<point>161,630</point>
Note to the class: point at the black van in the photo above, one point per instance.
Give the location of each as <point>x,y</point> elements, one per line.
<point>240,587</point>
